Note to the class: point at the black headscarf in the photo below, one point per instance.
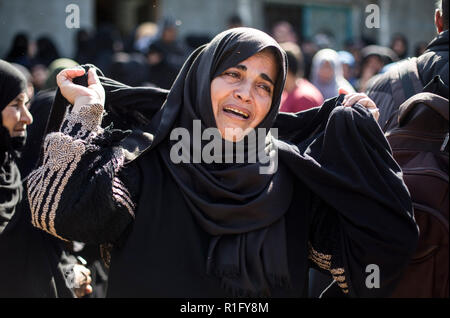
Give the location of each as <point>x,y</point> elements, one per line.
<point>18,53</point>
<point>339,153</point>
<point>40,108</point>
<point>30,260</point>
<point>12,83</point>
<point>241,208</point>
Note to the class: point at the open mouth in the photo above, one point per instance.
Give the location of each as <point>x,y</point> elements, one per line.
<point>236,112</point>
<point>19,131</point>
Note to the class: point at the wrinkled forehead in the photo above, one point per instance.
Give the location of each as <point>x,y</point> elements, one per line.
<point>234,46</point>
<point>228,49</point>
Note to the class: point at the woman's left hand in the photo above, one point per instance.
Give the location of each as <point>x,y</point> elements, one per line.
<point>363,100</point>
<point>82,281</point>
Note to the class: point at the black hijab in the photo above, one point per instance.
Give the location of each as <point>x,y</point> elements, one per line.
<point>12,83</point>
<point>29,258</point>
<point>239,207</point>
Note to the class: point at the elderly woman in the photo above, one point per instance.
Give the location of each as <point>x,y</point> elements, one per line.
<point>31,262</point>
<point>14,118</point>
<point>325,192</point>
<point>327,73</point>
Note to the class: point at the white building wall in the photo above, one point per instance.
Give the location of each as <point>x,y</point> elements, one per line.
<point>42,17</point>
<point>414,18</point>
<point>199,16</point>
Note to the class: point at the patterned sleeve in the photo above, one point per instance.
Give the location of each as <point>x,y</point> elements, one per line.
<point>80,191</point>
<point>323,246</point>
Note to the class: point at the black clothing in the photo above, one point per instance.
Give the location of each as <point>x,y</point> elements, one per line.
<point>173,53</point>
<point>46,52</point>
<point>224,197</point>
<point>130,69</point>
<point>40,108</point>
<point>171,57</point>
<point>12,83</point>
<point>178,267</point>
<point>162,74</point>
<point>163,252</point>
<point>434,61</point>
<point>10,182</point>
<point>18,53</point>
<point>220,230</point>
<point>32,263</point>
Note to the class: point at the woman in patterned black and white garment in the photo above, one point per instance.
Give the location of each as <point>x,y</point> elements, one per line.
<point>177,224</point>
<point>31,262</point>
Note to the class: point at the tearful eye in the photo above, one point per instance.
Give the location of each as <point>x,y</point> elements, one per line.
<point>232,75</point>
<point>266,88</point>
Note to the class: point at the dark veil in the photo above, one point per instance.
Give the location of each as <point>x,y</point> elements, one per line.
<point>12,83</point>
<point>29,259</point>
<point>339,153</point>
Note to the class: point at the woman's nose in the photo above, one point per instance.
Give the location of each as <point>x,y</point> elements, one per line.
<point>26,117</point>
<point>243,93</point>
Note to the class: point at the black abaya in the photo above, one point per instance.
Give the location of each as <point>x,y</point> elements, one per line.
<point>12,83</point>
<point>337,198</point>
<point>31,262</point>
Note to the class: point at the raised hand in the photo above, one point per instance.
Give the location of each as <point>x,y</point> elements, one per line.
<point>79,95</point>
<point>362,99</point>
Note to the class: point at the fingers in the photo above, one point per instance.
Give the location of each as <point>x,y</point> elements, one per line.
<point>78,95</point>
<point>88,289</point>
<point>360,98</point>
<point>375,112</point>
<point>64,79</point>
<point>82,274</point>
<point>363,100</point>
<point>87,279</point>
<point>74,72</point>
<point>367,102</point>
<point>93,77</point>
<point>67,75</point>
<point>370,105</point>
<point>83,279</point>
<point>83,290</point>
<point>352,99</point>
<point>95,84</point>
<point>342,91</point>
<point>87,276</point>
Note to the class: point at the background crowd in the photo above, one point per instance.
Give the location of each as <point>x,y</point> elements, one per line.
<point>153,54</point>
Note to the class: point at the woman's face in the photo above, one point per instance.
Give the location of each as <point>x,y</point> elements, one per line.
<point>399,47</point>
<point>241,96</point>
<point>16,117</point>
<point>326,72</point>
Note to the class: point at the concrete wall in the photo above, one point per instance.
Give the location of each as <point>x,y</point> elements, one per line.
<point>414,18</point>
<point>199,16</point>
<point>42,17</point>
